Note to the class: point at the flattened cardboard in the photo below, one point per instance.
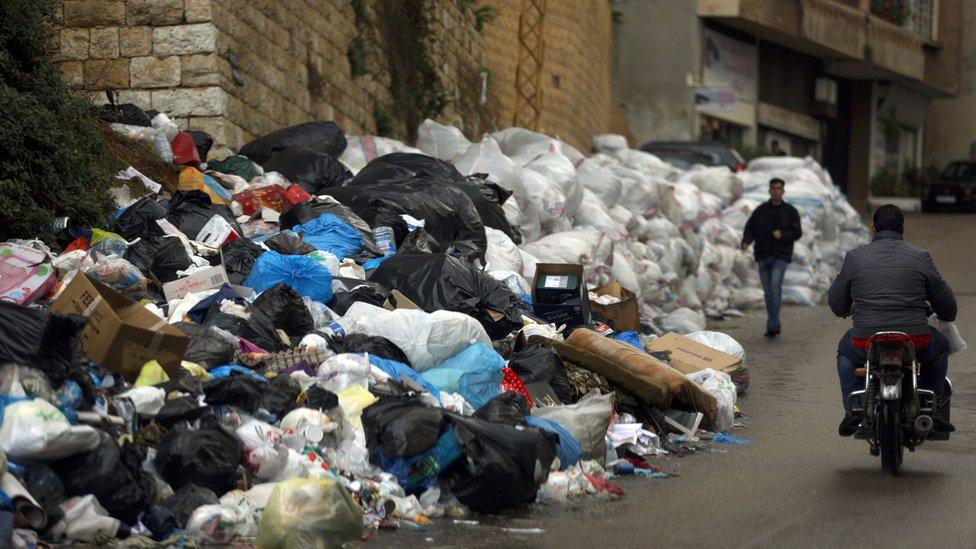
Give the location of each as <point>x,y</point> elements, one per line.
<point>121,334</point>
<point>689,356</point>
<point>400,301</point>
<point>572,313</point>
<point>624,315</point>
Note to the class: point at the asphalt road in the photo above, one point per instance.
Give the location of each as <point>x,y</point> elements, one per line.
<point>798,484</point>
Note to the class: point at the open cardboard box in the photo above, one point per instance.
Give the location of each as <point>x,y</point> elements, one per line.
<point>121,334</point>
<point>624,315</point>
<point>689,356</point>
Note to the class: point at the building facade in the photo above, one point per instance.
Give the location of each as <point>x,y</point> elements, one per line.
<point>848,82</point>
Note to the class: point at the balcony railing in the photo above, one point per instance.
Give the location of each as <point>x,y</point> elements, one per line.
<point>915,16</point>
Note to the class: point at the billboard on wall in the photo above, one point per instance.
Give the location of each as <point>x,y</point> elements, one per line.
<point>731,64</point>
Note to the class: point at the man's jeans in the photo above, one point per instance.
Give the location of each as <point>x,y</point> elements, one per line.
<point>771,272</point>
<point>934,359</point>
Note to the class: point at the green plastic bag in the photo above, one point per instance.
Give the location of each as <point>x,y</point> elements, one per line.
<point>309,513</point>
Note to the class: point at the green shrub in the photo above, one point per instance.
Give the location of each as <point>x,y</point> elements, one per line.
<point>53,160</point>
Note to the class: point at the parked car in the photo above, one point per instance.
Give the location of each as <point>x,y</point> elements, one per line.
<point>684,154</point>
<point>954,189</point>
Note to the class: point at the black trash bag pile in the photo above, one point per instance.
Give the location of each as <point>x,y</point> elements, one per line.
<point>281,395</point>
<point>544,375</point>
<point>39,339</point>
<point>238,259</point>
<point>185,500</point>
<point>285,309</point>
<point>113,475</point>
<point>486,196</point>
<point>163,257</point>
<point>505,464</point>
<point>449,215</point>
<point>312,171</point>
<point>201,453</point>
<point>206,348</point>
<point>139,219</point>
<point>509,408</point>
<point>242,391</point>
<point>258,329</point>
<point>341,301</point>
<point>374,345</point>
<point>190,211</point>
<point>439,281</point>
<point>181,409</point>
<point>322,137</point>
<point>400,427</point>
<point>289,243</point>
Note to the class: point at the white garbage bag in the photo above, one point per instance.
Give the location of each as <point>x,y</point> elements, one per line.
<point>719,385</point>
<point>440,141</point>
<point>486,157</point>
<point>683,321</point>
<point>596,176</point>
<point>559,170</point>
<point>587,421</point>
<point>951,332</point>
<point>35,429</point>
<point>502,254</point>
<point>360,149</point>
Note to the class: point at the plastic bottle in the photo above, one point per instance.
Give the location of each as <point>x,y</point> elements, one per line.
<point>163,147</point>
<point>385,240</point>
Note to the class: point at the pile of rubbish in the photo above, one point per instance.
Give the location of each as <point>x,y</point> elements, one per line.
<point>327,335</point>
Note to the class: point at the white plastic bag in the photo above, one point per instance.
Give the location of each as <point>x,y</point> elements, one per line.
<point>720,342</point>
<point>86,520</point>
<point>951,332</point>
<point>502,254</point>
<point>719,385</point>
<point>35,429</point>
<point>147,400</point>
<point>587,421</point>
<point>440,141</point>
<point>683,321</point>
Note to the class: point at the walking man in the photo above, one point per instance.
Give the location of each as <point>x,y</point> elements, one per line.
<point>773,227</point>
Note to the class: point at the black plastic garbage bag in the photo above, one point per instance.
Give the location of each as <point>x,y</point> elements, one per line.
<point>505,464</point>
<point>374,345</point>
<point>486,196</point>
<point>312,171</point>
<point>439,281</point>
<point>160,522</point>
<point>318,398</point>
<point>45,485</point>
<point>281,395</point>
<point>324,137</point>
<point>239,257</point>
<point>140,218</point>
<point>286,310</point>
<point>203,141</point>
<point>126,113</point>
<point>206,348</point>
<point>162,257</point>
<point>258,329</point>
<point>225,293</point>
<point>419,241</point>
<point>289,243</point>
<point>179,409</point>
<point>39,339</point>
<point>242,391</point>
<point>449,215</point>
<point>190,211</point>
<point>544,374</point>
<point>185,500</point>
<point>202,453</point>
<point>235,165</point>
<point>365,293</point>
<point>113,475</point>
<point>509,408</point>
<point>399,427</point>
<point>187,384</point>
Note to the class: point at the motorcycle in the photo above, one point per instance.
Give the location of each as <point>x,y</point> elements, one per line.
<point>895,414</point>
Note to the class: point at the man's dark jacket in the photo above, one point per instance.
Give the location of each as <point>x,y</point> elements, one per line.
<point>767,218</point>
<point>889,285</point>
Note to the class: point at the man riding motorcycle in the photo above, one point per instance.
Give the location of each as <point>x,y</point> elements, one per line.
<point>890,285</point>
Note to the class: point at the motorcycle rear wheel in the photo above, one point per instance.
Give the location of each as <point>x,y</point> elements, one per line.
<point>889,436</point>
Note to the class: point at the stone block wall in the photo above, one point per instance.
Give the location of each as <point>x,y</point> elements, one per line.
<point>242,68</point>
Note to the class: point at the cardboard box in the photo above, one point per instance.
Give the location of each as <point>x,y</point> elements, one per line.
<point>121,334</point>
<point>559,294</point>
<point>689,356</point>
<point>25,274</point>
<point>207,279</point>
<point>624,315</point>
<point>399,301</point>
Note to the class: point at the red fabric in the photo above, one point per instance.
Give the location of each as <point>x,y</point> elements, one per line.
<point>185,150</point>
<point>602,485</point>
<point>80,243</point>
<point>512,383</point>
<point>919,341</point>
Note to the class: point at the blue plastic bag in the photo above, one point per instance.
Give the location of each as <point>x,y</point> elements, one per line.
<point>475,373</point>
<point>230,369</point>
<point>397,370</point>
<point>416,473</point>
<point>630,338</point>
<point>328,232</point>
<point>308,277</point>
<point>569,450</point>
<point>726,438</point>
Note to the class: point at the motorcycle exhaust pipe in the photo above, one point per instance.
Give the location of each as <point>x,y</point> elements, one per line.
<point>923,426</point>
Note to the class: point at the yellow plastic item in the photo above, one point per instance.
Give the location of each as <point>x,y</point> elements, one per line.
<point>191,179</point>
<point>197,370</point>
<point>309,513</point>
<point>151,374</point>
<point>99,235</point>
<point>353,401</point>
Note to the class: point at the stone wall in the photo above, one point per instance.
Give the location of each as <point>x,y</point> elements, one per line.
<point>239,69</point>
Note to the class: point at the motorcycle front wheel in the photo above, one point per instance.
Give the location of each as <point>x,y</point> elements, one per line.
<point>889,436</point>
